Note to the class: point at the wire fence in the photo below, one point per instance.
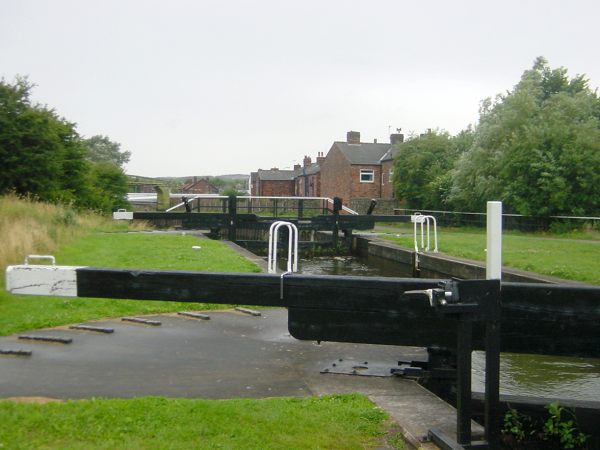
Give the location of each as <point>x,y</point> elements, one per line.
<point>510,221</point>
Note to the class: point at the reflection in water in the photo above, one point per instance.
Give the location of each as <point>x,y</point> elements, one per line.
<point>352,265</point>
<point>527,375</point>
<point>543,376</point>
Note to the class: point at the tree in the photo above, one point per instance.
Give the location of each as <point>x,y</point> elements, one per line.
<point>101,148</point>
<point>422,167</point>
<point>110,187</point>
<point>40,153</point>
<point>537,148</point>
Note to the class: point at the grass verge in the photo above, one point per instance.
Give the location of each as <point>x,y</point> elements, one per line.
<point>332,422</point>
<point>119,250</point>
<point>575,256</point>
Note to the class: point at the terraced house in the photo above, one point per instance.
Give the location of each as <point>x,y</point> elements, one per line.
<point>359,170</point>
<point>351,170</point>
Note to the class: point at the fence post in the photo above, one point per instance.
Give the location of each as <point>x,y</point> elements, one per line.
<point>493,266</point>
<point>337,206</point>
<point>492,327</point>
<point>232,217</point>
<point>300,209</point>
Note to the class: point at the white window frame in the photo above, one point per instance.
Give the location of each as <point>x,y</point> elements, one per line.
<point>391,175</point>
<point>370,173</point>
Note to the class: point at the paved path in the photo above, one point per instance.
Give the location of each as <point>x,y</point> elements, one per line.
<point>232,355</point>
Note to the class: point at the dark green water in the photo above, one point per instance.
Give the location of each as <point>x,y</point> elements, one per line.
<point>520,374</point>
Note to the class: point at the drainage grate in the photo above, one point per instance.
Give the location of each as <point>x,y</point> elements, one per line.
<point>52,339</point>
<point>154,323</point>
<point>92,328</point>
<point>194,315</point>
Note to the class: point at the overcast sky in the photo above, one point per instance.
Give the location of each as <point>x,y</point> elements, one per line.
<point>217,87</point>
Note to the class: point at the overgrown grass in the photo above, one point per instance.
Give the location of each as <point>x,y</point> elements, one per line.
<point>332,422</point>
<point>573,256</point>
<point>27,226</point>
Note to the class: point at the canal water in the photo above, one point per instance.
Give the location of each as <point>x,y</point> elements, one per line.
<point>520,374</point>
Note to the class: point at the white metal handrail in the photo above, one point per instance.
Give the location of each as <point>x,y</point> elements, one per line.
<point>292,261</point>
<point>424,221</point>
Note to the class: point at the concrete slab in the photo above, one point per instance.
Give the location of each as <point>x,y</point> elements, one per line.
<point>232,355</point>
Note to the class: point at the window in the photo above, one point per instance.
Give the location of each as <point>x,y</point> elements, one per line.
<point>391,177</point>
<point>367,176</point>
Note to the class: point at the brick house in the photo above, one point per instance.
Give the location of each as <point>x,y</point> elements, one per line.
<point>199,186</point>
<point>273,183</point>
<point>308,177</point>
<point>354,169</point>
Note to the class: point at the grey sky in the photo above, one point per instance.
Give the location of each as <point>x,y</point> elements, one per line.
<point>215,87</point>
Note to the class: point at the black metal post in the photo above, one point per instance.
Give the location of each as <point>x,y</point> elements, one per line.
<point>232,218</point>
<point>300,209</point>
<point>492,368</point>
<point>337,206</point>
<point>463,382</point>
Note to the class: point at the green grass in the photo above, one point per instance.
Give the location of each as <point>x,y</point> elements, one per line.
<point>332,422</point>
<point>574,256</point>
<point>119,250</point>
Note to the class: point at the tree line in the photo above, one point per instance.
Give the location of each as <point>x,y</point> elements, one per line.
<point>42,155</point>
<point>536,148</point>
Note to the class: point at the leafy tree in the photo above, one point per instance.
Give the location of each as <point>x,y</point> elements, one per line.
<point>40,153</point>
<point>537,148</point>
<point>218,182</point>
<point>110,186</point>
<point>422,167</point>
<point>101,148</point>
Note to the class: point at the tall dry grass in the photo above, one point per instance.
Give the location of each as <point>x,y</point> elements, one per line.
<point>31,227</point>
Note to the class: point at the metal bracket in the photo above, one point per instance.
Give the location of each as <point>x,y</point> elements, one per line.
<point>446,294</point>
<point>50,257</point>
<point>281,284</point>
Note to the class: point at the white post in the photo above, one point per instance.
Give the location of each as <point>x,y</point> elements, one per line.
<point>494,241</point>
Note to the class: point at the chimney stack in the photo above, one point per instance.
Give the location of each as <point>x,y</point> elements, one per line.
<point>320,158</point>
<point>396,138</point>
<point>297,166</point>
<point>353,137</point>
<point>307,161</point>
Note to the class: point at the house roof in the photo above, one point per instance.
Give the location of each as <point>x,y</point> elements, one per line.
<point>277,175</point>
<point>193,183</point>
<point>363,153</point>
<point>390,154</point>
<point>309,170</point>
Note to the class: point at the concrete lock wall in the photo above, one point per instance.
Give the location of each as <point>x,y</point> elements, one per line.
<point>437,265</point>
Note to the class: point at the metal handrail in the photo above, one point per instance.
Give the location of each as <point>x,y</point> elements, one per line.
<point>292,261</point>
<point>424,221</point>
